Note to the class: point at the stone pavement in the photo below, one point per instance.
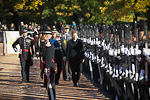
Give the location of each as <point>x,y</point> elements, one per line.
<point>11,87</point>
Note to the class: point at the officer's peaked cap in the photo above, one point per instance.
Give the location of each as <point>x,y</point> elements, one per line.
<point>46,30</point>
<point>66,27</point>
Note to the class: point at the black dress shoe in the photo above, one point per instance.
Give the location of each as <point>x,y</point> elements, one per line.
<point>41,74</point>
<point>76,84</point>
<point>64,79</point>
<point>23,81</point>
<point>57,83</point>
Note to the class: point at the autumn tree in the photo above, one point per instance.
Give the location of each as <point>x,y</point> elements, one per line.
<point>15,8</point>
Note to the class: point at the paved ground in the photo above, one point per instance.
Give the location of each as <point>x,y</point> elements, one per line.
<point>11,87</point>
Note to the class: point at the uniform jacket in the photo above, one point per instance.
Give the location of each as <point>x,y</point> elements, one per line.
<point>42,49</point>
<point>57,45</point>
<point>49,55</point>
<point>25,45</point>
<point>65,39</point>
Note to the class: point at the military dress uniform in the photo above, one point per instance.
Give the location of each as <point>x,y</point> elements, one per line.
<point>48,54</point>
<point>42,61</point>
<point>58,56</point>
<point>25,55</point>
<point>49,63</point>
<point>66,37</point>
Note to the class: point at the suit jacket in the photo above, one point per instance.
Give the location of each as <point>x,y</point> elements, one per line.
<point>75,51</point>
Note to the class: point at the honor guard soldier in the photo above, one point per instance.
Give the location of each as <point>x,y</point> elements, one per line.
<point>66,36</point>
<point>48,58</point>
<point>57,41</point>
<point>25,55</point>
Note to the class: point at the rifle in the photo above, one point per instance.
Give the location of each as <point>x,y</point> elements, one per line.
<point>146,47</point>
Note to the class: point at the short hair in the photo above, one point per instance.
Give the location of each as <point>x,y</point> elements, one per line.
<point>73,32</point>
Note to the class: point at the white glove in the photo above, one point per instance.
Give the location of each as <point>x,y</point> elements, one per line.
<point>148,58</point>
<point>146,52</point>
<point>110,52</point>
<point>115,53</point>
<point>15,49</point>
<point>132,51</point>
<point>122,50</point>
<point>137,51</point>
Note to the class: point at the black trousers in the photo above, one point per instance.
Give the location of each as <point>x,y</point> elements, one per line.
<point>59,68</point>
<point>25,66</point>
<point>36,46</point>
<point>52,79</point>
<point>75,68</point>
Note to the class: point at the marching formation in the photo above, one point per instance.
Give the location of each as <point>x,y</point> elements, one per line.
<point>118,58</point>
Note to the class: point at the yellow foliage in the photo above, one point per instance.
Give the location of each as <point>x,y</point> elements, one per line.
<point>56,8</point>
<point>33,5</point>
<point>62,6</point>
<point>38,13</point>
<point>70,8</point>
<point>141,5</point>
<point>106,3</point>
<point>66,14</point>
<point>40,3</point>
<point>118,0</point>
<point>70,14</point>
<point>36,2</point>
<point>103,9</point>
<point>75,6</point>
<point>87,15</point>
<point>65,7</point>
<point>128,18</point>
<point>141,18</point>
<point>60,13</point>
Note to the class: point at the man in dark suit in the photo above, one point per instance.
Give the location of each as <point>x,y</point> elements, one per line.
<point>75,56</point>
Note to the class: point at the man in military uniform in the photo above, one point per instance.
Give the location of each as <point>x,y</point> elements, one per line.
<point>42,49</point>
<point>56,40</point>
<point>25,55</point>
<point>66,36</point>
<point>75,56</point>
<point>48,58</point>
